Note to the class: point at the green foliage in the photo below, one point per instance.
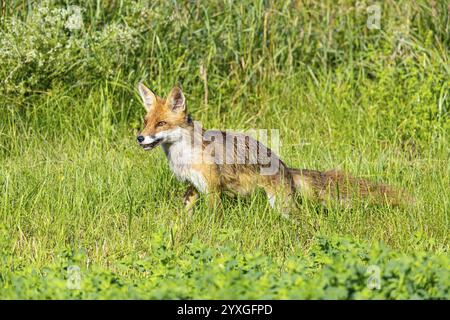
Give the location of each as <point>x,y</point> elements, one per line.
<point>51,48</point>
<point>335,269</point>
<point>75,189</point>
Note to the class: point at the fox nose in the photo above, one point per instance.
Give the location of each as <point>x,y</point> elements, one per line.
<point>140,139</point>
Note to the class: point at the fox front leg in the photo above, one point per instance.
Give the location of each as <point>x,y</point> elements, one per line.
<point>190,197</point>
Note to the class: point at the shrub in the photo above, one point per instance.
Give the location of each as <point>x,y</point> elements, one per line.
<point>333,269</point>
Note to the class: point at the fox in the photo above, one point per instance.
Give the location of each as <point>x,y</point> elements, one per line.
<point>212,162</point>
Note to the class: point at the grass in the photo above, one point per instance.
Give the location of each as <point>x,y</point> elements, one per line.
<point>73,179</point>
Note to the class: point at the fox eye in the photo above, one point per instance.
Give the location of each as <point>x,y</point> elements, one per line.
<point>145,122</point>
<point>161,123</point>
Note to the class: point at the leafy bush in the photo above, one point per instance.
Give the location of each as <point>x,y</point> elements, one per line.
<point>52,48</point>
<point>333,269</point>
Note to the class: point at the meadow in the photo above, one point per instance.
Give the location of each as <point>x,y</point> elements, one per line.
<point>86,213</point>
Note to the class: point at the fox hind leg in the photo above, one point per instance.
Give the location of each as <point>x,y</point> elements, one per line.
<point>214,201</point>
<point>281,200</point>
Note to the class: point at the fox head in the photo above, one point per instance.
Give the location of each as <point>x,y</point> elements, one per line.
<point>166,119</point>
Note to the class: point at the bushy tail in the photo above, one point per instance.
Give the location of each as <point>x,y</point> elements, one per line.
<point>337,185</point>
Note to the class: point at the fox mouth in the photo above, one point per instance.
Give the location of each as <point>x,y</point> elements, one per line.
<point>150,146</point>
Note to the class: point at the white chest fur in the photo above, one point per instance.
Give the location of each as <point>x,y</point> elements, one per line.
<point>180,156</point>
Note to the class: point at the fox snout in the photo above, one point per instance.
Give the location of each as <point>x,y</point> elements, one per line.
<point>148,142</point>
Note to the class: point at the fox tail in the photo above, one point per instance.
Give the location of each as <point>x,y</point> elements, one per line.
<point>337,185</point>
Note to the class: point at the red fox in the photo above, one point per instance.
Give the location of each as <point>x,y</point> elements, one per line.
<point>215,161</point>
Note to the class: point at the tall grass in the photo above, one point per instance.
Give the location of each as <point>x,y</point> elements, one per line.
<point>374,102</point>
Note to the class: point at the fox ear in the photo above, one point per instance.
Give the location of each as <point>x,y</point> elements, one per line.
<point>176,100</point>
<point>148,97</point>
